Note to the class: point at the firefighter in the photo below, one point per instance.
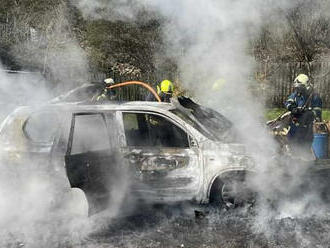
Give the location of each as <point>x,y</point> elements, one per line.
<point>164,90</point>
<point>305,107</point>
<point>107,94</point>
<point>218,85</point>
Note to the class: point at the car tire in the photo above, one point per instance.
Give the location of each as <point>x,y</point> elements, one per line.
<point>231,191</point>
<point>215,193</point>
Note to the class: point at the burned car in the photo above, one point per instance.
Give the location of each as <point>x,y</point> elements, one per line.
<point>167,152</point>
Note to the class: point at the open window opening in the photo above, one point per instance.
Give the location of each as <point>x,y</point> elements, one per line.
<point>152,130</point>
<point>89,134</point>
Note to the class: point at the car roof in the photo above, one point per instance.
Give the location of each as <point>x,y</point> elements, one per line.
<point>121,106</point>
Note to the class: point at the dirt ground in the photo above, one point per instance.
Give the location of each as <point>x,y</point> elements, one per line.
<point>178,226</point>
<point>233,228</point>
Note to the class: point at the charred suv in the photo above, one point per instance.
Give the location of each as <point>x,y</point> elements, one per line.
<point>165,152</point>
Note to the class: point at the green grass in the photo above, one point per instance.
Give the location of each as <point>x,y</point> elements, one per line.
<point>275,112</point>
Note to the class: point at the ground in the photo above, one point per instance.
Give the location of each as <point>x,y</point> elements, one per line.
<point>232,228</point>
<point>177,226</point>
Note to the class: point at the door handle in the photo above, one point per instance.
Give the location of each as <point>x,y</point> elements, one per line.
<point>121,140</point>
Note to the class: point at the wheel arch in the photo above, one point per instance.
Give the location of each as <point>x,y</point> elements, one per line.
<point>218,178</point>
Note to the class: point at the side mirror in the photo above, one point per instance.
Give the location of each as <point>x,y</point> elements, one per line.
<point>193,142</point>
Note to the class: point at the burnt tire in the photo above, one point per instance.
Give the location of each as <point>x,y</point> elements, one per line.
<point>231,191</point>
<point>215,193</point>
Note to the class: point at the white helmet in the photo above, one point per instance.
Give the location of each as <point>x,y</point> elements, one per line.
<point>302,78</point>
<point>109,81</point>
<point>301,84</point>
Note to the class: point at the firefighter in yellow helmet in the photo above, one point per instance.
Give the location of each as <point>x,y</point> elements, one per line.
<point>164,90</point>
<point>218,85</point>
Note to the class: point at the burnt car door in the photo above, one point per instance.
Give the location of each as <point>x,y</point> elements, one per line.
<point>165,157</point>
<point>91,159</point>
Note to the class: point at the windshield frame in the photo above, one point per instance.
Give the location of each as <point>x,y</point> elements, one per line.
<point>195,123</point>
<point>207,122</point>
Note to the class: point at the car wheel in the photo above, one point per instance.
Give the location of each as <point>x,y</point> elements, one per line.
<point>232,191</point>
<point>236,193</point>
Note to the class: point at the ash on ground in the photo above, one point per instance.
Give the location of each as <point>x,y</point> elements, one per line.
<point>183,225</point>
<point>178,226</point>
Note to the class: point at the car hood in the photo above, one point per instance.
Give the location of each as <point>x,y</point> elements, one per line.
<point>232,154</point>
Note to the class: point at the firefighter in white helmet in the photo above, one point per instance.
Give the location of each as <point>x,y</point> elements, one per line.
<point>305,107</point>
<point>107,94</point>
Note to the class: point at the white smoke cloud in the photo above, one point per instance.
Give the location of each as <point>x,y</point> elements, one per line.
<point>36,207</point>
<point>210,40</point>
<point>109,10</point>
<point>55,51</point>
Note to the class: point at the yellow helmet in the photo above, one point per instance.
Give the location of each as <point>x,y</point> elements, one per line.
<point>217,85</point>
<point>166,86</point>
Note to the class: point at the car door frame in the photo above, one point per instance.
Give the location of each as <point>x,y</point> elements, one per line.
<point>96,202</point>
<point>192,139</point>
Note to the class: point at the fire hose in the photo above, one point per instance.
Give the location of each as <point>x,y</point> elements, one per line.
<point>145,85</point>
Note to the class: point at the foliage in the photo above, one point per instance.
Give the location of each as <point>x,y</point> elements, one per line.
<point>125,47</point>
<point>118,44</point>
<point>300,33</point>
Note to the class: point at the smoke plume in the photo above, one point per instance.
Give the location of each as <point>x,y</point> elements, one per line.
<point>210,41</point>
<point>38,208</point>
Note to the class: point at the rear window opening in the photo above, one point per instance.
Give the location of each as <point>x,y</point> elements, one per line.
<point>90,134</point>
<point>41,127</point>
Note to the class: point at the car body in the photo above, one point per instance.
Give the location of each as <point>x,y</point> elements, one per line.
<point>169,152</point>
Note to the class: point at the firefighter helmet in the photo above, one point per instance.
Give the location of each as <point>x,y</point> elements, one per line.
<point>217,85</point>
<point>166,86</point>
<point>302,78</point>
<point>301,84</point>
<point>109,81</point>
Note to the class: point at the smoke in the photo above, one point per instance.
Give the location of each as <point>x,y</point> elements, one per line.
<point>37,206</point>
<point>21,88</point>
<point>211,42</point>
<point>55,51</point>
<point>109,10</point>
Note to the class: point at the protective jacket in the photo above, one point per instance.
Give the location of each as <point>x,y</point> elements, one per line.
<point>164,91</point>
<point>106,95</point>
<point>305,108</point>
<point>165,97</point>
<point>311,102</point>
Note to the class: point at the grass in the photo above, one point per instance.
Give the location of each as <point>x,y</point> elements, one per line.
<point>275,112</point>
